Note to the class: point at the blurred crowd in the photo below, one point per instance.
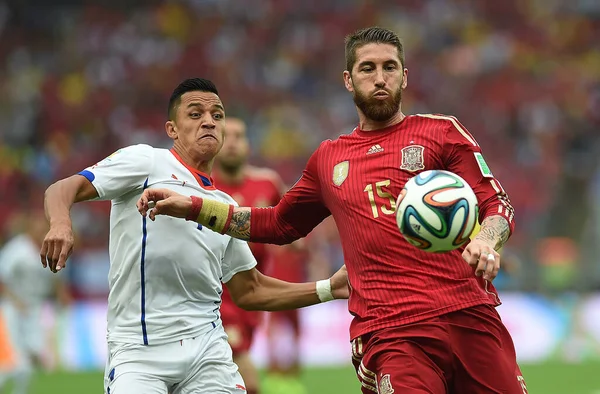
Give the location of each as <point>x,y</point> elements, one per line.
<point>78,81</point>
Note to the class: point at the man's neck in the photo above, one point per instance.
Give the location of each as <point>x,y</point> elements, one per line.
<point>367,124</point>
<point>204,166</point>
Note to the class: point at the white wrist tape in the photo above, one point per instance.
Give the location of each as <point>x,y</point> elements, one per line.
<point>324,290</point>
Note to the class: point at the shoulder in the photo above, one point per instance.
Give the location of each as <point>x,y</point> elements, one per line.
<point>448,124</point>
<point>138,148</point>
<point>436,119</point>
<point>131,151</point>
<point>339,142</point>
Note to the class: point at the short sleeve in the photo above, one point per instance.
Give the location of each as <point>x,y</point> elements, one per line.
<point>122,172</point>
<point>238,258</point>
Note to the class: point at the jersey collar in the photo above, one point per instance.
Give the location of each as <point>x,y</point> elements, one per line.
<point>202,178</point>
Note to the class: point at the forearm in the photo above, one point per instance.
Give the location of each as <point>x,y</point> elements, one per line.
<point>277,295</point>
<point>60,197</point>
<point>239,226</point>
<point>267,225</point>
<point>58,200</point>
<point>495,230</point>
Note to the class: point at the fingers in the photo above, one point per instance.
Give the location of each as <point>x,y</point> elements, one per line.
<point>482,262</point>
<point>44,253</point>
<point>151,196</point>
<point>493,266</point>
<point>55,256</point>
<point>65,252</point>
<point>157,209</point>
<point>142,203</point>
<point>485,260</point>
<point>55,251</point>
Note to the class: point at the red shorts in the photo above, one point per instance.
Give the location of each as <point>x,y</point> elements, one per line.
<point>239,329</point>
<point>464,352</point>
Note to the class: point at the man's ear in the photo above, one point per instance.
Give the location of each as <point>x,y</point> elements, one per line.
<point>348,81</point>
<point>171,129</point>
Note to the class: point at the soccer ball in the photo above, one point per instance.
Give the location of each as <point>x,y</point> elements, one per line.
<point>439,211</point>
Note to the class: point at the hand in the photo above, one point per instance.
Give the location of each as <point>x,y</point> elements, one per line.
<point>163,202</point>
<point>339,284</point>
<point>57,246</point>
<point>483,257</point>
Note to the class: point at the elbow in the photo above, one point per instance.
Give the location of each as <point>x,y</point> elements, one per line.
<point>249,296</point>
<point>248,302</point>
<point>51,188</point>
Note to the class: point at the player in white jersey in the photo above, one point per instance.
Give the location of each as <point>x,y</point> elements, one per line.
<point>164,330</point>
<point>25,288</point>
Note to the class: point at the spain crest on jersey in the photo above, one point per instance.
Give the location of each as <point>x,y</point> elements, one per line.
<point>385,385</point>
<point>340,172</point>
<point>412,158</point>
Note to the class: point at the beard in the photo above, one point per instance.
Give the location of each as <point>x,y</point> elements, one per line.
<point>378,110</point>
<point>230,166</point>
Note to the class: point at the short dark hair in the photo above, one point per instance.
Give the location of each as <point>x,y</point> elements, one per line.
<point>370,35</point>
<point>189,85</point>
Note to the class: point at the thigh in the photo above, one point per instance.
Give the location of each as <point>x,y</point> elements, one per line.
<point>135,369</point>
<point>213,370</point>
<point>485,358</point>
<point>400,366</point>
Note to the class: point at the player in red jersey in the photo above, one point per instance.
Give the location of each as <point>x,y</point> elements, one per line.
<point>423,323</point>
<point>248,186</point>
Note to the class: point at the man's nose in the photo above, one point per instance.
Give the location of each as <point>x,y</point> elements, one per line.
<point>379,79</point>
<point>208,122</point>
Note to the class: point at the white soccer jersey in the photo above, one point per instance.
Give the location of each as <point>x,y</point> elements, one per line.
<point>165,276</point>
<point>22,273</point>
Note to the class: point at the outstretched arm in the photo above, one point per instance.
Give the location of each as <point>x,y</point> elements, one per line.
<point>300,210</point>
<point>281,224</point>
<point>251,290</point>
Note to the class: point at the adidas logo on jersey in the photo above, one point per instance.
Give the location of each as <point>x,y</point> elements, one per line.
<point>375,149</point>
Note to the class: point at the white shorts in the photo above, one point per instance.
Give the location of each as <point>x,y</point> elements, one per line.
<point>201,365</point>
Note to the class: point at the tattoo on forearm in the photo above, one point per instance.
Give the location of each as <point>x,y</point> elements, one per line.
<point>494,229</point>
<point>240,224</point>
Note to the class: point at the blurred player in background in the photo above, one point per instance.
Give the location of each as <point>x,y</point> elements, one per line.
<point>249,185</point>
<point>164,327</point>
<point>423,322</point>
<point>25,287</point>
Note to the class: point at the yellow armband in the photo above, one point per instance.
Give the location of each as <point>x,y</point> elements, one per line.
<point>213,214</point>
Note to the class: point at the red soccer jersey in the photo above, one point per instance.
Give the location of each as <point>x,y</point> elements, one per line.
<point>261,188</point>
<point>357,179</point>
